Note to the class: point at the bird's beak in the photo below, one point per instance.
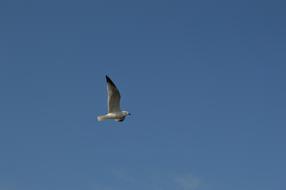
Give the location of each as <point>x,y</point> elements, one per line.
<point>129,113</point>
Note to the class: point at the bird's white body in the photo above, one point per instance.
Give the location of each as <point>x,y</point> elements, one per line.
<point>113,104</point>
<point>117,116</point>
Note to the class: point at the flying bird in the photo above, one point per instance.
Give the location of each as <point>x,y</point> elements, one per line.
<point>113,104</point>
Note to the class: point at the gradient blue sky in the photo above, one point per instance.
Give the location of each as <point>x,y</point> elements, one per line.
<point>204,81</point>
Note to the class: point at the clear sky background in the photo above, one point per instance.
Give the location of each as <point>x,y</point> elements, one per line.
<point>204,81</point>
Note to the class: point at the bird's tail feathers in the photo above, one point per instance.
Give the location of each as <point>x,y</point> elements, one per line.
<point>101,118</point>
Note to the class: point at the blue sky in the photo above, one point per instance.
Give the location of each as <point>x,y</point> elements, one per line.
<point>204,81</point>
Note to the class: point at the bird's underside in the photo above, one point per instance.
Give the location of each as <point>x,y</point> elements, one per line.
<point>113,116</point>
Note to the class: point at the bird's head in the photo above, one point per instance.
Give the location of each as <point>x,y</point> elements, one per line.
<point>126,113</point>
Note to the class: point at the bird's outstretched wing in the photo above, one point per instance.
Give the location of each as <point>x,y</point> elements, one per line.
<point>113,100</point>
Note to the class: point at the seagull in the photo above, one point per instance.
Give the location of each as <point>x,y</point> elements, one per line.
<point>113,104</point>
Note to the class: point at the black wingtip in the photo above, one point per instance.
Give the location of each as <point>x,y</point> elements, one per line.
<point>109,80</point>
